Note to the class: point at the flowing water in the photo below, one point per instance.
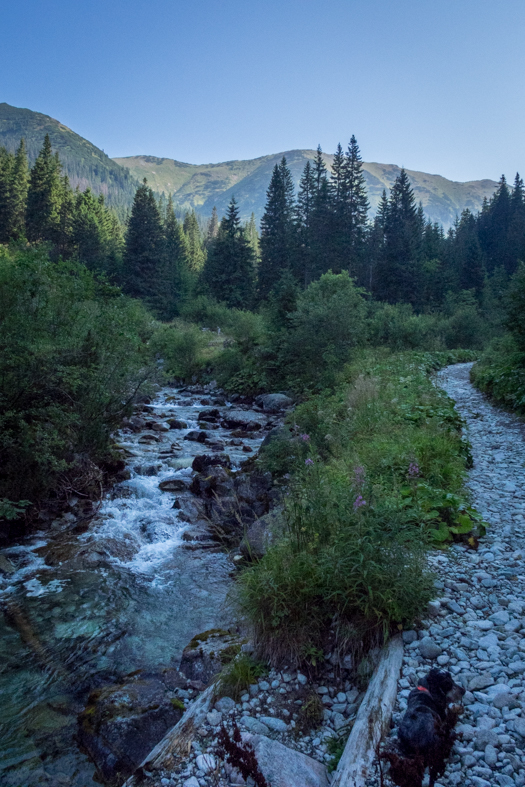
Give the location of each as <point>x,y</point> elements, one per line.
<point>85,606</point>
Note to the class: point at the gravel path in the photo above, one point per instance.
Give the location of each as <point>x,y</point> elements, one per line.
<point>476,626</point>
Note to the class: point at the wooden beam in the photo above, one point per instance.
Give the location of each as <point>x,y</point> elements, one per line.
<point>372,720</point>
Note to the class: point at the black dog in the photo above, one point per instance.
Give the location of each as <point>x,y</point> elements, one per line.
<point>425,735</point>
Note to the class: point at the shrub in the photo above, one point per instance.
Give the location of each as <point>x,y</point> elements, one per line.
<point>237,678</point>
<point>181,347</point>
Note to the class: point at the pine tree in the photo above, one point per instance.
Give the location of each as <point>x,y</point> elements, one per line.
<point>355,209</point>
<point>145,247</point>
<point>213,227</point>
<point>6,178</point>
<point>230,266</point>
<point>196,254</point>
<point>43,198</point>
<point>375,246</point>
<point>19,186</point>
<point>277,229</point>
<point>303,264</point>
<point>493,229</point>
<point>252,236</point>
<point>174,274</point>
<point>516,231</point>
<point>321,219</point>
<point>398,272</point>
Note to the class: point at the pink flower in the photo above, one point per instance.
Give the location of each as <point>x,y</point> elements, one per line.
<point>413,470</point>
<point>359,476</point>
<point>358,502</point>
<point>305,437</point>
<point>308,462</point>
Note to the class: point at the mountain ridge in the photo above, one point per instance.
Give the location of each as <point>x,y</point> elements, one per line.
<point>203,186</point>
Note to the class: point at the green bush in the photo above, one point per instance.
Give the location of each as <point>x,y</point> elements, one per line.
<point>181,348</point>
<point>74,354</point>
<point>501,373</point>
<point>397,327</point>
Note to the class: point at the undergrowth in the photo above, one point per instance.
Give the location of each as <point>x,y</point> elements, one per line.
<point>374,473</point>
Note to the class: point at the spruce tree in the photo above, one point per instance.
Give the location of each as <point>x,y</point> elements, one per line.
<point>196,254</point>
<point>355,207</point>
<point>277,229</point>
<point>145,247</point>
<point>213,227</point>
<point>174,274</point>
<point>303,265</point>
<point>18,197</point>
<point>229,269</point>
<point>6,178</point>
<point>321,219</point>
<point>43,197</point>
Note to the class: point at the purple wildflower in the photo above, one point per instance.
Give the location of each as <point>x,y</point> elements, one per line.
<point>305,437</point>
<point>308,462</point>
<point>413,470</point>
<point>359,476</point>
<point>358,502</point>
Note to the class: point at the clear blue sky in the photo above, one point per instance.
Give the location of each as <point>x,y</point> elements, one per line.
<point>434,85</point>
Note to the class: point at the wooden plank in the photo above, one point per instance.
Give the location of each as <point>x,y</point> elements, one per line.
<point>177,741</point>
<point>373,719</point>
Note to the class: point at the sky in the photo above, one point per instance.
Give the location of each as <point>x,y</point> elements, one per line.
<point>432,85</point>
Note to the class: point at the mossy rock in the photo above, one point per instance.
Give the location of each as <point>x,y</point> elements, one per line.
<point>207,653</point>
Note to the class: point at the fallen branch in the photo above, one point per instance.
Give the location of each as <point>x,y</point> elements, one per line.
<point>373,719</point>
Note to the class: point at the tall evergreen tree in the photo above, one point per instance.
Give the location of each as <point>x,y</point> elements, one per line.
<point>277,229</point>
<point>398,273</point>
<point>493,229</point>
<point>304,210</point>
<point>145,247</point>
<point>43,198</point>
<point>355,209</point>
<point>252,236</point>
<point>6,178</point>
<point>230,266</point>
<point>19,186</point>
<point>196,254</point>
<point>213,227</point>
<point>174,274</point>
<point>321,218</point>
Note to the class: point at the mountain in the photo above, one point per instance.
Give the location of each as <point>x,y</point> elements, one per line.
<point>85,164</point>
<point>201,186</point>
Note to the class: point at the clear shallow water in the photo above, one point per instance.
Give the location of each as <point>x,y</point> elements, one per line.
<point>84,608</point>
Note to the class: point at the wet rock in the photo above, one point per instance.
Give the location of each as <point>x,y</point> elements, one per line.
<point>207,653</point>
<point>175,423</point>
<point>6,567</point>
<point>238,419</point>
<point>174,485</point>
<point>196,436</point>
<point>209,415</point>
<point>273,403</point>
<point>284,767</point>
<point>429,649</point>
<point>122,723</point>
<point>214,481</point>
<point>203,461</point>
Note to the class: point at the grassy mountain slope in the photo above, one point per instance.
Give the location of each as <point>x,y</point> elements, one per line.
<point>84,163</point>
<point>202,186</point>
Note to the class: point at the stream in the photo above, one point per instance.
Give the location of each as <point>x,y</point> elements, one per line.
<point>85,603</point>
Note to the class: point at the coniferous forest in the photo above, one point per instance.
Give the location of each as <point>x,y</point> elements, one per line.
<point>297,297</point>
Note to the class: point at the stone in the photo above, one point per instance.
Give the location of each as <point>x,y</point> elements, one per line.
<point>122,723</point>
<point>505,700</point>
<point>206,654</point>
<point>491,755</point>
<point>500,618</point>
<point>303,680</point>
<point>429,649</point>
<point>203,461</point>
<point>284,767</point>
<point>174,485</point>
<point>264,685</point>
<point>260,535</point>
<point>519,726</point>
<point>409,636</point>
<point>484,737</point>
<point>206,763</point>
<point>214,717</point>
<point>481,681</point>
<point>191,782</point>
<point>6,567</point>
<point>175,423</point>
<point>273,403</point>
<point>196,436</point>
<point>277,725</point>
<point>338,720</point>
<point>254,725</point>
<point>224,705</point>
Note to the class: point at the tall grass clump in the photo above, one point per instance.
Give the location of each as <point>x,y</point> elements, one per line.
<point>377,477</point>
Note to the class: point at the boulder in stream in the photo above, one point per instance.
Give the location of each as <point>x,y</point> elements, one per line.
<point>207,653</point>
<point>175,484</point>
<point>196,436</point>
<point>122,723</point>
<point>273,403</point>
<point>202,462</point>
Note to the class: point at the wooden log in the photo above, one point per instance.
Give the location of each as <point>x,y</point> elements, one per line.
<point>372,720</point>
<point>177,741</point>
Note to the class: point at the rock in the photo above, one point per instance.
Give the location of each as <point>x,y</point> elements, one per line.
<point>264,685</point>
<point>224,705</point>
<point>122,723</point>
<point>303,680</point>
<point>202,462</point>
<point>254,725</point>
<point>500,618</point>
<point>214,717</point>
<point>6,567</point>
<point>214,482</point>
<point>260,535</point>
<point>207,653</point>
<point>273,403</point>
<point>196,436</point>
<point>284,767</point>
<point>505,700</point>
<point>519,727</point>
<point>338,720</point>
<point>409,636</point>
<point>209,415</point>
<point>174,485</point>
<point>481,681</point>
<point>206,763</point>
<point>484,737</point>
<point>278,725</point>
<point>491,755</point>
<point>429,649</point>
<point>240,419</point>
<point>174,423</point>
<point>191,782</point>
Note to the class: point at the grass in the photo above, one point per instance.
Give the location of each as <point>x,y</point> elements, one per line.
<point>500,373</point>
<point>376,474</point>
<point>238,676</point>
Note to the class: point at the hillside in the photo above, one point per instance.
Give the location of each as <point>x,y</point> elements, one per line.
<point>84,163</point>
<point>202,186</point>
